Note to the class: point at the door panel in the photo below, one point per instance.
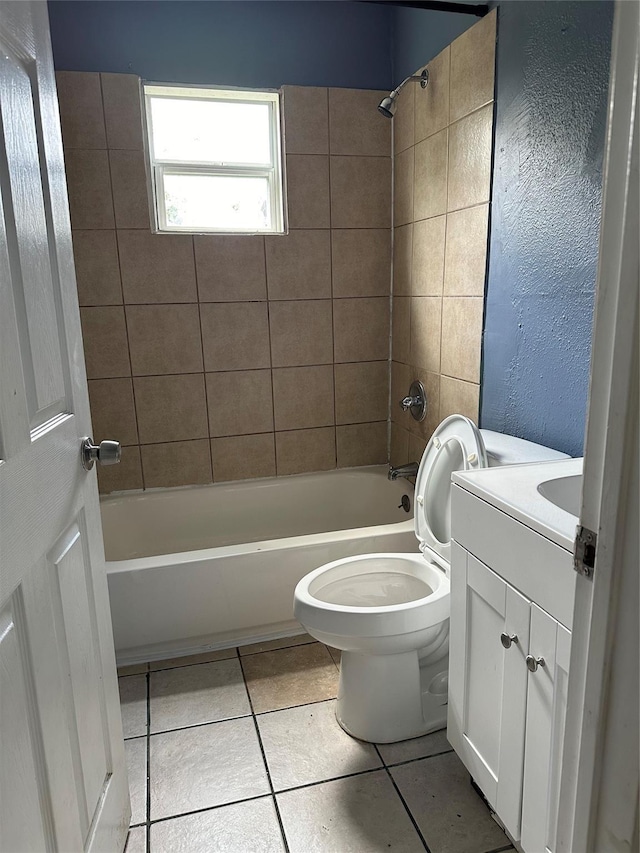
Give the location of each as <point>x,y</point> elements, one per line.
<point>61,724</point>
<point>25,824</point>
<point>77,631</point>
<point>26,228</point>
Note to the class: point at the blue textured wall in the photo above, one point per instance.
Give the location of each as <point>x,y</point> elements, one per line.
<point>253,44</point>
<point>552,78</point>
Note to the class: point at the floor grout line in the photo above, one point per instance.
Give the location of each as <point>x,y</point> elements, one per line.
<point>332,779</point>
<point>234,656</point>
<point>293,707</point>
<point>186,665</point>
<point>230,719</point>
<point>148,773</point>
<point>264,759</point>
<point>214,808</point>
<point>273,794</point>
<point>404,803</point>
<point>419,758</point>
<point>200,725</point>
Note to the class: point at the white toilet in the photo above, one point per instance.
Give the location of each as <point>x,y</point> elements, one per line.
<point>389,613</point>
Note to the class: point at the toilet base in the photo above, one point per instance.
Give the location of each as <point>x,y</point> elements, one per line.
<point>388,698</point>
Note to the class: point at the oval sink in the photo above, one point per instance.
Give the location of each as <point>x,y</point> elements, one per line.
<point>564,492</point>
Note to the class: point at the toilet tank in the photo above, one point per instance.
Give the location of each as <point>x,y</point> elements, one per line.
<point>509,450</point>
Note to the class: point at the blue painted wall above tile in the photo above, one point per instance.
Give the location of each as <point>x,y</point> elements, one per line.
<point>551,100</point>
<point>419,35</point>
<point>251,44</point>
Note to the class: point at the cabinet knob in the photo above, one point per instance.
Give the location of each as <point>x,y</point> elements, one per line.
<point>533,663</point>
<point>508,639</point>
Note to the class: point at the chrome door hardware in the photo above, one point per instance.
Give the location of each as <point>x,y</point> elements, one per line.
<point>415,401</point>
<point>508,639</point>
<point>533,663</point>
<point>107,452</point>
<point>584,551</point>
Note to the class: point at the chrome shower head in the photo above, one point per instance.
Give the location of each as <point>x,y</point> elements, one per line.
<point>387,106</point>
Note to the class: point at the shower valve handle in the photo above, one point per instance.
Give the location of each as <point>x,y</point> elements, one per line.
<point>409,401</point>
<point>415,401</point>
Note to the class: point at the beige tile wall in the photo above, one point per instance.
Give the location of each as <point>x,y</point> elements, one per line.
<point>443,141</point>
<point>224,357</point>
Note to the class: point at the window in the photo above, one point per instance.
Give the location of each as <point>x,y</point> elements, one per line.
<point>215,159</point>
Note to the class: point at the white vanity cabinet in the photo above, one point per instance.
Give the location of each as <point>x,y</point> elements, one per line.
<point>509,661</point>
<point>544,732</point>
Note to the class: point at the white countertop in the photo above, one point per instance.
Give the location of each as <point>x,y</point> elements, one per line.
<point>514,490</point>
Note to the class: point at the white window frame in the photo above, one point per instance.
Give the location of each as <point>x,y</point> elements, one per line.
<point>158,167</point>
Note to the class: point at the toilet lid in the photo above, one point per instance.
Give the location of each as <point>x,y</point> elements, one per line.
<point>456,445</point>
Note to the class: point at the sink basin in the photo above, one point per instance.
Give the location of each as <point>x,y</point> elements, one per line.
<point>564,492</point>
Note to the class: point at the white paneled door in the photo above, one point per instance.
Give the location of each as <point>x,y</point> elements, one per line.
<point>63,782</point>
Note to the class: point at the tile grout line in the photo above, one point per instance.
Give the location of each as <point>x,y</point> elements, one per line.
<point>204,373</point>
<point>264,758</point>
<point>298,788</point>
<point>403,801</point>
<point>331,779</point>
<point>251,369</point>
<point>124,304</point>
<point>419,758</point>
<point>271,299</point>
<point>214,808</point>
<point>231,719</point>
<point>148,773</point>
<point>333,328</point>
<point>268,301</point>
<point>254,716</point>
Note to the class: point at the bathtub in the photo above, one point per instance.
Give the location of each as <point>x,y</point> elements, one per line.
<point>204,567</point>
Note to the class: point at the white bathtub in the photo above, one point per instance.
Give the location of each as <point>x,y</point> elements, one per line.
<point>205,567</point>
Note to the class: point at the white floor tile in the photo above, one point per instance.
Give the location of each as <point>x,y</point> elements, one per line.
<point>135,751</point>
<point>306,744</point>
<point>451,816</point>
<point>205,766</point>
<point>133,669</point>
<point>336,655</point>
<point>188,660</point>
<point>288,677</point>
<point>281,643</point>
<point>133,704</point>
<point>362,814</point>
<point>240,828</point>
<point>137,840</point>
<point>417,747</point>
<point>190,695</point>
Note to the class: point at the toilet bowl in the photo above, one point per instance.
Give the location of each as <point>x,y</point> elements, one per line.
<point>389,613</point>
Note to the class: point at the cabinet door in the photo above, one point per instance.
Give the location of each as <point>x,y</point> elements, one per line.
<point>546,711</point>
<point>487,687</point>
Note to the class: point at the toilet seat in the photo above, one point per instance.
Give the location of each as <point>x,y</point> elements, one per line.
<point>456,445</point>
<point>427,602</point>
<point>331,598</point>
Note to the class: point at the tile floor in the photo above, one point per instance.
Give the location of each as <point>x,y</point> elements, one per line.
<point>239,751</point>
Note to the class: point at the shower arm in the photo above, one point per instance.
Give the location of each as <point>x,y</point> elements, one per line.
<point>423,78</point>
